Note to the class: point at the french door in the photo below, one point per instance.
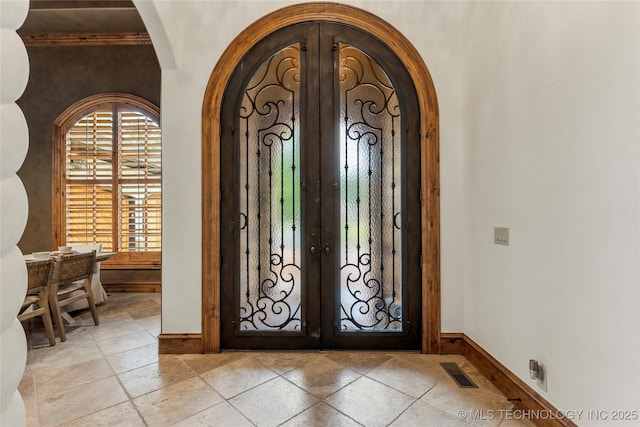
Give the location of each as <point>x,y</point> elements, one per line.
<point>320,210</point>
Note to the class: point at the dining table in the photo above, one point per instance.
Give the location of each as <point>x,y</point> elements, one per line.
<point>101,256</point>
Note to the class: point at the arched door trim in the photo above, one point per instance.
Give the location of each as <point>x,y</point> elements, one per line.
<point>430,175</point>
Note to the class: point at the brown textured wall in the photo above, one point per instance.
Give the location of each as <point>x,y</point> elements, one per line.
<point>60,76</point>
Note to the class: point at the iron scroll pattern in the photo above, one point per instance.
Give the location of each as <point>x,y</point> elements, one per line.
<point>270,188</point>
<point>370,186</point>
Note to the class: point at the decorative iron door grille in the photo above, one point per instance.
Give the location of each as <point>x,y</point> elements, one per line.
<point>320,187</point>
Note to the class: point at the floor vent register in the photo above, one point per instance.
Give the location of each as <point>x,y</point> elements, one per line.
<point>458,375</point>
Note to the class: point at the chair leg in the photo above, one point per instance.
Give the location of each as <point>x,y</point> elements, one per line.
<point>48,325</point>
<point>57,316</point>
<point>92,304</point>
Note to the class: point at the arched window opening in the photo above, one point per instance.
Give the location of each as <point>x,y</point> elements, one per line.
<point>107,178</point>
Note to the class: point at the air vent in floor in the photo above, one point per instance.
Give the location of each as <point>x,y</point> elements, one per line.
<point>458,375</point>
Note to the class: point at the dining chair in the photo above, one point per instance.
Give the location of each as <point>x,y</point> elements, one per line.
<point>40,277</point>
<point>97,290</point>
<point>73,273</point>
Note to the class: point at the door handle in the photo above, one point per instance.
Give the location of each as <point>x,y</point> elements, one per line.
<point>327,249</point>
<point>312,249</point>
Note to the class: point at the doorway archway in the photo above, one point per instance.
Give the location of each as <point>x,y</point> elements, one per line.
<point>429,149</point>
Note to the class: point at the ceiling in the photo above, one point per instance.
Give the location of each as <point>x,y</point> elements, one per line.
<point>82,16</point>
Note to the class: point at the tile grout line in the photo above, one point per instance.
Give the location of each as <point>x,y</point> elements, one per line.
<point>122,386</point>
<point>415,362</point>
<point>322,400</point>
<point>117,377</point>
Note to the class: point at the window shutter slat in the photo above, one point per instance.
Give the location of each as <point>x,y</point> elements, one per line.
<point>90,146</point>
<point>89,214</point>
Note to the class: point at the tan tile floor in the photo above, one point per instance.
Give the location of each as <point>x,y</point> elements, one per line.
<point>111,375</point>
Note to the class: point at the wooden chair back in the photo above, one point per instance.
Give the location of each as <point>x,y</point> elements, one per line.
<point>75,267</point>
<point>40,276</point>
<point>71,283</point>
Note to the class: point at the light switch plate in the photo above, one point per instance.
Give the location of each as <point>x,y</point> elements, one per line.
<point>501,235</point>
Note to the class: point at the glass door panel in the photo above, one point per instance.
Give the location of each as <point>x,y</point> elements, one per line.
<point>269,182</point>
<point>370,196</point>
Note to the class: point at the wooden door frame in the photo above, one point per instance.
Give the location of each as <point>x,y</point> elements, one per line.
<point>429,143</point>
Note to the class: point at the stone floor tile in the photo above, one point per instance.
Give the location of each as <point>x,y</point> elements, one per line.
<point>272,403</point>
<point>407,377</point>
<point>422,414</point>
<point>168,370</point>
<point>201,363</point>
<point>321,414</point>
<point>480,406</point>
<point>172,404</point>
<point>122,415</point>
<point>360,361</point>
<point>134,358</point>
<point>238,376</point>
<point>321,377</point>
<point>220,415</point>
<point>76,402</point>
<point>125,342</point>
<point>369,402</point>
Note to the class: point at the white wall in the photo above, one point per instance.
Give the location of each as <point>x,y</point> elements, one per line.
<point>552,151</point>
<point>539,112</point>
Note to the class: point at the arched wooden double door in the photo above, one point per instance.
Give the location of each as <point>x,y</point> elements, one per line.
<point>320,194</point>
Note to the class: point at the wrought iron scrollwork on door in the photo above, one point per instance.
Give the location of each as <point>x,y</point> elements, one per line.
<point>370,196</point>
<point>270,289</point>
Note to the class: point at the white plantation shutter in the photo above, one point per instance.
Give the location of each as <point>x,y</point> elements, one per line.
<point>139,192</point>
<point>90,147</point>
<point>112,180</point>
<point>89,180</point>
<point>90,215</point>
